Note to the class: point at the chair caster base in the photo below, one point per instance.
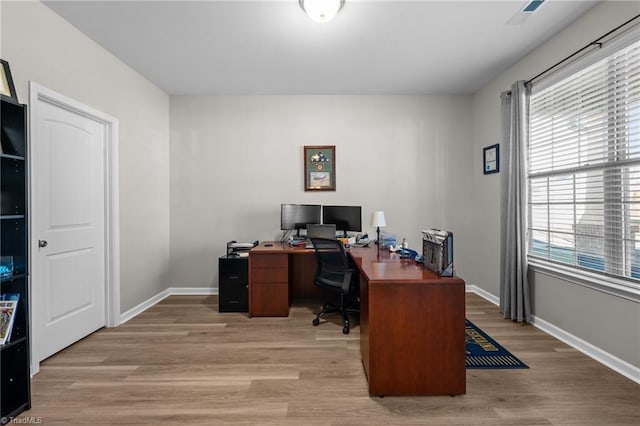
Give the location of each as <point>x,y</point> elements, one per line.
<point>345,330</point>
<point>315,321</point>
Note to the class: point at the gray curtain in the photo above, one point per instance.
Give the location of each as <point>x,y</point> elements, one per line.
<point>515,300</point>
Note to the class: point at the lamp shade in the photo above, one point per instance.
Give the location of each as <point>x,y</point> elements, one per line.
<point>377,219</point>
<point>321,10</point>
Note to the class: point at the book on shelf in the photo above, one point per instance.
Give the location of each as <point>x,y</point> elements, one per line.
<point>10,141</point>
<point>7,315</point>
<point>10,296</point>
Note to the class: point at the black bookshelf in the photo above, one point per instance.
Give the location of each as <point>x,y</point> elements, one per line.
<point>15,379</point>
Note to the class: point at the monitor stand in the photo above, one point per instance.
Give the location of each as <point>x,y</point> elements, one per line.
<point>298,237</point>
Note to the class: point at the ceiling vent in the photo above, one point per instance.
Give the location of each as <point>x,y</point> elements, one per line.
<point>525,12</point>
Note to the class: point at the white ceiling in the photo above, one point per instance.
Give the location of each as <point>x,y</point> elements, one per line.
<point>271,47</point>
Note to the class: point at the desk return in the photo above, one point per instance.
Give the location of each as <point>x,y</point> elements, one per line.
<point>412,337</point>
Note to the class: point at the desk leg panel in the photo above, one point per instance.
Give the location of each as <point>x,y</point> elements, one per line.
<point>416,339</point>
<point>302,275</point>
<point>364,324</point>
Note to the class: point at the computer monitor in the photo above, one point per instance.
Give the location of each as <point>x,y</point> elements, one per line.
<point>346,218</point>
<point>298,216</point>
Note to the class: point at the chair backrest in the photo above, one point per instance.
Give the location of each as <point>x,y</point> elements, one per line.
<point>333,266</point>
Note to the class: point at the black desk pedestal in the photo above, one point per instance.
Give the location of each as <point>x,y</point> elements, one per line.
<point>233,288</point>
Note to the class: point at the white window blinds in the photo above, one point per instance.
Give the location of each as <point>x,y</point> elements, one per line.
<point>584,168</point>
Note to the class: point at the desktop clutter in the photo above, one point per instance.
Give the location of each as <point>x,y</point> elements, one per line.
<point>389,241</point>
<point>317,231</point>
<point>236,249</point>
<point>437,250</point>
<point>323,221</point>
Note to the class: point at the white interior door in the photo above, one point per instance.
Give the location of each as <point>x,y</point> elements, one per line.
<point>68,227</point>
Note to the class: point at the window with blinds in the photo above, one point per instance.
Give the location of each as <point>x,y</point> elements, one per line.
<point>584,168</point>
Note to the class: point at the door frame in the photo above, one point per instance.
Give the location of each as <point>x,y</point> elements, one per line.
<point>38,93</point>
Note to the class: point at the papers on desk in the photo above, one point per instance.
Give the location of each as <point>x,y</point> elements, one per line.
<point>347,241</point>
<point>362,243</point>
<point>236,249</point>
<point>245,246</point>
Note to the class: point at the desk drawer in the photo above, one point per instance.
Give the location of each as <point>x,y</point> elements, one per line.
<point>269,260</point>
<point>269,299</point>
<point>269,275</point>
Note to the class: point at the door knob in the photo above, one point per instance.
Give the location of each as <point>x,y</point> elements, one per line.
<point>42,243</point>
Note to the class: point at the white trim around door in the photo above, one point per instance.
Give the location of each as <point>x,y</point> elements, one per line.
<point>39,94</point>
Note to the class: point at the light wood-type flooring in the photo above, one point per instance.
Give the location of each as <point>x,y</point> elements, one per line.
<point>183,362</point>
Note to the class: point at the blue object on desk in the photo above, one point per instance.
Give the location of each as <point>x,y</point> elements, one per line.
<point>407,253</point>
<point>388,240</point>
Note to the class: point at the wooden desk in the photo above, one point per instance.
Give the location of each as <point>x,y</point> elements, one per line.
<point>412,337</point>
<point>279,273</point>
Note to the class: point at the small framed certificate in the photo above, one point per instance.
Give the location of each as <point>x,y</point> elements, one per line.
<point>491,159</point>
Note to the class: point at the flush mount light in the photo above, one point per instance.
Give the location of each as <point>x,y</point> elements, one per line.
<point>321,10</point>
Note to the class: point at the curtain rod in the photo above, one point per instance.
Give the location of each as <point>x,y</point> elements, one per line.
<point>596,42</point>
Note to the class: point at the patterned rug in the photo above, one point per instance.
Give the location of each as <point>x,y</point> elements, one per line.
<point>484,352</point>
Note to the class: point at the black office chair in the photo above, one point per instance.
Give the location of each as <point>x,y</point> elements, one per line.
<point>334,273</point>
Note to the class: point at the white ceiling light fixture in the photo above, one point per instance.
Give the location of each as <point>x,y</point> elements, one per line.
<point>321,10</point>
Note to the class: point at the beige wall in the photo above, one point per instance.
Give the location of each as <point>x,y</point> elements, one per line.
<point>42,47</point>
<point>608,322</point>
<point>234,160</point>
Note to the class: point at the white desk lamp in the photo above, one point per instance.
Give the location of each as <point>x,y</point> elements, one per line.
<point>377,220</point>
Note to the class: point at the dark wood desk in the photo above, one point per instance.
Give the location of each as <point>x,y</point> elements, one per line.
<point>412,337</point>
<point>279,273</point>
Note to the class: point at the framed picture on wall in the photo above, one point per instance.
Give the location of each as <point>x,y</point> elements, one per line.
<point>320,168</point>
<point>6,82</point>
<point>491,159</point>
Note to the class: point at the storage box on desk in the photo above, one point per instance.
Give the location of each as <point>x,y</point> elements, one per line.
<point>437,250</point>
<point>387,239</point>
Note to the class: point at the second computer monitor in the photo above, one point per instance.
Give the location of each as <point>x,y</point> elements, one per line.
<point>346,218</point>
<point>298,216</point>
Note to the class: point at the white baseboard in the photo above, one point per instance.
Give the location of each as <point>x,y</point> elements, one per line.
<point>483,293</point>
<point>629,371</point>
<point>616,364</point>
<point>171,291</point>
<point>193,291</point>
<point>141,307</point>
